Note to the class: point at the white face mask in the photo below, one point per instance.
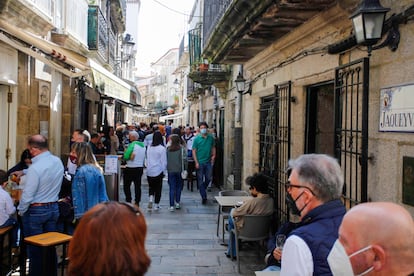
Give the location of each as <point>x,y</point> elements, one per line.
<point>340,263</point>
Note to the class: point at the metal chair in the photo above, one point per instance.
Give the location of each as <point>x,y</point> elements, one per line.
<point>255,228</point>
<point>225,211</point>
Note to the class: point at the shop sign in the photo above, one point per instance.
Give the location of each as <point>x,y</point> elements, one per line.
<point>397,109</point>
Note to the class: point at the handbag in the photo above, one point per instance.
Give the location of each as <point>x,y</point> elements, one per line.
<point>184,172</point>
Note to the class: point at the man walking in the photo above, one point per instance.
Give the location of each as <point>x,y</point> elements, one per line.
<point>135,157</point>
<point>38,205</point>
<point>204,154</point>
<point>313,193</point>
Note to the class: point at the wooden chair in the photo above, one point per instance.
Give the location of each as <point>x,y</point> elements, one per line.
<point>255,228</point>
<point>225,211</point>
<point>46,241</point>
<point>3,233</point>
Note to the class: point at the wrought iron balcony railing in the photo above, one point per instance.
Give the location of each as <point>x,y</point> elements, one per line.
<point>100,38</point>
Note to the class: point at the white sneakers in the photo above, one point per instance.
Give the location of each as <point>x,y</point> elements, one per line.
<point>156,206</point>
<point>150,203</point>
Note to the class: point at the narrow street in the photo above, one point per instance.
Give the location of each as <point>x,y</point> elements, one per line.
<point>184,242</point>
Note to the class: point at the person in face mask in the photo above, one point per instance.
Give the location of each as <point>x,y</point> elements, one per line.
<point>375,238</point>
<point>313,192</point>
<point>204,154</point>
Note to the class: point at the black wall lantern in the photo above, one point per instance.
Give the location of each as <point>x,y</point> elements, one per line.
<point>240,83</point>
<point>368,21</point>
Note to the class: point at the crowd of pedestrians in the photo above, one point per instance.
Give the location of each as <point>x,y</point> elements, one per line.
<point>323,239</point>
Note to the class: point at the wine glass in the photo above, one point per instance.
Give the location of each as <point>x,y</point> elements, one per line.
<point>280,241</point>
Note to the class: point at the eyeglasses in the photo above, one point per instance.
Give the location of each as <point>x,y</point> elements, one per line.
<point>289,185</point>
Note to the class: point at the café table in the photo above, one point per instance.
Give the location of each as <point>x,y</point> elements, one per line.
<point>229,201</point>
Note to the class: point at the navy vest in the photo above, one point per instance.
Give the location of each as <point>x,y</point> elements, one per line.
<point>319,229</point>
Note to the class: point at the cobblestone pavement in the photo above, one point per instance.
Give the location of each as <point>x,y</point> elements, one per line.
<point>184,242</point>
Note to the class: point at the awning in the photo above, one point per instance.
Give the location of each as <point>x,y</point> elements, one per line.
<point>171,117</point>
<point>11,35</point>
<point>108,84</point>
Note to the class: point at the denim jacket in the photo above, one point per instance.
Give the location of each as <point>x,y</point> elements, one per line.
<point>88,189</point>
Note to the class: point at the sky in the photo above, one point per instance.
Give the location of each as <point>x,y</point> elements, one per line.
<point>161,25</point>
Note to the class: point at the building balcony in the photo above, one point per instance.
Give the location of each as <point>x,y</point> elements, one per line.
<point>234,31</point>
<point>29,16</point>
<point>100,39</point>
<point>209,74</point>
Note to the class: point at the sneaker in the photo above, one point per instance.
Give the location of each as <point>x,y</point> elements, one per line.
<point>209,189</point>
<point>156,207</point>
<point>151,199</point>
<point>171,209</point>
<point>204,201</point>
<point>177,206</point>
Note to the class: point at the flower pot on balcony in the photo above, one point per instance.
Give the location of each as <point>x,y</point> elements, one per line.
<point>203,67</point>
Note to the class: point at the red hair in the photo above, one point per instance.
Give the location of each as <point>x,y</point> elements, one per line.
<point>109,240</point>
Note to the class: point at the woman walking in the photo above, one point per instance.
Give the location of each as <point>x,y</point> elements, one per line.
<point>88,185</point>
<point>176,163</point>
<point>156,166</point>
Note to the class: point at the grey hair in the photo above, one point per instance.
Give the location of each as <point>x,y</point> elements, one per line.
<point>322,172</point>
<point>134,134</point>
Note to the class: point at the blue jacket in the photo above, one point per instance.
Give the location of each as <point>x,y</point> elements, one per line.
<point>319,229</point>
<point>88,189</point>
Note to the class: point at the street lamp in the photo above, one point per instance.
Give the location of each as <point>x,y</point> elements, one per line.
<point>368,21</point>
<point>240,83</point>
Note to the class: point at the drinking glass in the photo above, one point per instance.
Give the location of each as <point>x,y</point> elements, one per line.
<point>280,241</point>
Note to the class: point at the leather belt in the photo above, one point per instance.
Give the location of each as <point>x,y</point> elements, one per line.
<point>42,204</point>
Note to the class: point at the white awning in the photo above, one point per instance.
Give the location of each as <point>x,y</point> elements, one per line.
<point>12,35</point>
<point>171,117</point>
<point>108,84</point>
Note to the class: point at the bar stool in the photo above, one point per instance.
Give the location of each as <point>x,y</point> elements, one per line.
<point>3,232</point>
<point>46,241</point>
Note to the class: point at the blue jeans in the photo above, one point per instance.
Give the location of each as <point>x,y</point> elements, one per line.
<point>272,268</point>
<point>38,220</point>
<point>176,184</point>
<point>204,177</point>
<point>232,238</point>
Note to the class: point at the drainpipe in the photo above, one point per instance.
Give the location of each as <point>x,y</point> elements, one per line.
<point>200,108</point>
<point>238,144</point>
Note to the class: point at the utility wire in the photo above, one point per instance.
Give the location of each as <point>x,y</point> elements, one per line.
<point>173,10</point>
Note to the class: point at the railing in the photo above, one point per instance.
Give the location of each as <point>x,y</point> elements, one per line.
<point>194,45</point>
<point>101,38</point>
<point>97,31</point>
<point>214,10</point>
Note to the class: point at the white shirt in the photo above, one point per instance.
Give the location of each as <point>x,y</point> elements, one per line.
<point>6,206</point>
<point>296,258</point>
<point>189,142</point>
<point>139,158</point>
<point>156,160</point>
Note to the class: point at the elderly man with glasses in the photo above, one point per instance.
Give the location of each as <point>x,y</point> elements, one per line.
<point>313,193</point>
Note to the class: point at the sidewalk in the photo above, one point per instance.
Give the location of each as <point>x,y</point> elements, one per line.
<point>184,242</point>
